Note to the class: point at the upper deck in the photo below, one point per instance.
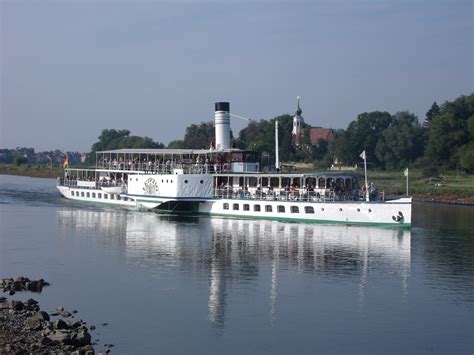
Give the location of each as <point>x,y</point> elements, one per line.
<point>184,161</point>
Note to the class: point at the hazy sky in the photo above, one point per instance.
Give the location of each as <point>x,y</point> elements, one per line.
<point>72,68</point>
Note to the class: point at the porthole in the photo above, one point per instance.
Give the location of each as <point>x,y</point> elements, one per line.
<point>185,181</point>
<point>340,209</point>
<point>171,181</point>
<point>370,210</point>
<point>202,181</point>
<point>322,208</point>
<point>72,193</point>
<point>358,210</point>
<point>162,180</point>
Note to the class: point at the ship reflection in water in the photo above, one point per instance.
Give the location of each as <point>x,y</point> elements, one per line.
<point>236,255</point>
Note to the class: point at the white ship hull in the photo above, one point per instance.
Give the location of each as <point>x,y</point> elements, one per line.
<point>95,195</point>
<point>397,212</point>
<point>390,213</point>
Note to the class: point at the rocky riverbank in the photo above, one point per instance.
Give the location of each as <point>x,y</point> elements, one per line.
<point>26,329</point>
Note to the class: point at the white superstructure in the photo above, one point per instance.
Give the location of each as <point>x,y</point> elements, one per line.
<point>227,182</point>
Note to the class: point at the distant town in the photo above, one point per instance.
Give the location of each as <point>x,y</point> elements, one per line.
<point>22,155</point>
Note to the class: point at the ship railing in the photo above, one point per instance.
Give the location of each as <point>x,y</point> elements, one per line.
<point>89,184</point>
<point>282,195</point>
<point>82,184</point>
<point>166,167</point>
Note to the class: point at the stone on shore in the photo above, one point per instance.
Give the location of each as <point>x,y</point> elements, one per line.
<point>25,329</point>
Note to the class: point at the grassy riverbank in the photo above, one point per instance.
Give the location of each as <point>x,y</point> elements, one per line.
<point>451,187</point>
<point>33,170</point>
<point>448,187</point>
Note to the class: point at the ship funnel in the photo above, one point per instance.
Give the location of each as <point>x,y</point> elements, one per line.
<point>222,123</point>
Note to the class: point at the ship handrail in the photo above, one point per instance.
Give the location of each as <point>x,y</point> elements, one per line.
<point>296,196</point>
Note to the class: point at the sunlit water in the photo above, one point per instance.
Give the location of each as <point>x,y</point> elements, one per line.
<point>167,284</point>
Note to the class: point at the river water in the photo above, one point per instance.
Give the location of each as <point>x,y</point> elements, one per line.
<point>167,284</point>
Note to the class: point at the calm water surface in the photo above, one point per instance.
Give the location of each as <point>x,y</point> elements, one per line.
<point>207,285</point>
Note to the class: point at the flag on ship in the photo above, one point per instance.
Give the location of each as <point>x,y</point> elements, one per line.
<point>405,173</point>
<point>66,162</point>
<point>362,155</point>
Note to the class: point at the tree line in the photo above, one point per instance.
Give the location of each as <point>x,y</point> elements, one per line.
<point>444,140</point>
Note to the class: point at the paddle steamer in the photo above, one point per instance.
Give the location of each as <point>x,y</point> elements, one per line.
<point>223,181</point>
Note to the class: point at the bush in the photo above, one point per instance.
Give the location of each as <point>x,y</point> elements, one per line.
<point>19,160</point>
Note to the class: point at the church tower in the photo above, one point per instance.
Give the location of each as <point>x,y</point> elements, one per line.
<point>297,123</point>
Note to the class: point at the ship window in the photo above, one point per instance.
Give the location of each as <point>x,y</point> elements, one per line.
<point>268,208</point>
<point>256,208</point>
<point>285,181</point>
<point>82,193</point>
<point>235,206</point>
<point>171,181</point>
<point>358,210</point>
<point>202,181</point>
<point>119,197</point>
<point>88,194</point>
<point>125,198</point>
<point>321,183</point>
<point>370,210</point>
<point>72,193</point>
<point>226,206</point>
<point>136,179</point>
<point>99,195</point>
<point>274,182</point>
<point>130,179</point>
<point>246,207</point>
<point>185,181</point>
<point>106,196</point>
<point>166,180</point>
<point>295,209</point>
<point>281,209</point>
<point>309,209</point>
<point>252,182</point>
<point>93,195</point>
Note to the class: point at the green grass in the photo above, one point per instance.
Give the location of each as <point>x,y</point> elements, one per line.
<point>34,170</point>
<point>448,183</point>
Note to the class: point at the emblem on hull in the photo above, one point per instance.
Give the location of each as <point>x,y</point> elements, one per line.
<point>150,187</point>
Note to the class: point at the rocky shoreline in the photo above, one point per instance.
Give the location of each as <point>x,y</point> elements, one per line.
<point>26,329</point>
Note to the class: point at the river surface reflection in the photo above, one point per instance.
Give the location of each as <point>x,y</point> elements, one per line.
<point>168,284</point>
<point>231,251</point>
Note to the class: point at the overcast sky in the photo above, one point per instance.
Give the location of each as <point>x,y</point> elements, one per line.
<point>72,68</point>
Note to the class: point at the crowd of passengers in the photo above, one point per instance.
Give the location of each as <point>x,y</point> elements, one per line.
<point>336,191</point>
<point>199,166</point>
